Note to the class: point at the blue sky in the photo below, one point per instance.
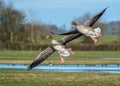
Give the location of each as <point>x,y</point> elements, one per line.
<point>61,12</point>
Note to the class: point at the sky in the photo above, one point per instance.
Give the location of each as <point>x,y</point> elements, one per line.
<point>61,12</point>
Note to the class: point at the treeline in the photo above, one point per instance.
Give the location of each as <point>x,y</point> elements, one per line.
<point>74,46</point>
<point>18,34</point>
<point>14,28</point>
<point>97,47</point>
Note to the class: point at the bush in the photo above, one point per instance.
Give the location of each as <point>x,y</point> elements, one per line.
<point>74,46</point>
<point>108,47</point>
<point>22,46</point>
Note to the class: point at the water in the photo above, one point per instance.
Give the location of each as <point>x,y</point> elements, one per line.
<point>67,68</point>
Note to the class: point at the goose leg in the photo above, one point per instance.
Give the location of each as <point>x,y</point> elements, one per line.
<point>62,60</point>
<point>94,40</point>
<point>100,34</point>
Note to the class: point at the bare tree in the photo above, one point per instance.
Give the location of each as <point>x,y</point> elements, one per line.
<point>11,21</point>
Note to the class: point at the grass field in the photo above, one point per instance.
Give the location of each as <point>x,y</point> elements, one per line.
<point>17,77</point>
<point>9,77</point>
<point>80,57</point>
<point>109,38</point>
<point>103,39</point>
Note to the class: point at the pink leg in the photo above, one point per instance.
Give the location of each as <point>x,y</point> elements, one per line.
<point>95,40</point>
<point>100,34</point>
<point>62,60</point>
<point>72,53</point>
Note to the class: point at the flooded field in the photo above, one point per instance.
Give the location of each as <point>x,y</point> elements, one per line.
<point>67,68</point>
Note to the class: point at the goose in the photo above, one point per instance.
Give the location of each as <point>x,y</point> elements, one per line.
<point>62,50</point>
<point>94,34</point>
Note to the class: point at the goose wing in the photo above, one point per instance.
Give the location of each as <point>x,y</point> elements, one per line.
<point>41,57</point>
<point>93,20</point>
<point>67,33</point>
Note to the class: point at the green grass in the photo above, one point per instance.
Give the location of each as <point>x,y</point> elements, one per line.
<point>103,39</point>
<point>18,55</point>
<point>108,38</point>
<point>29,55</point>
<point>80,57</point>
<point>58,37</point>
<point>10,77</point>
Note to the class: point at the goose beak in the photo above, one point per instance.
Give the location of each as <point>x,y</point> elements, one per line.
<point>73,23</point>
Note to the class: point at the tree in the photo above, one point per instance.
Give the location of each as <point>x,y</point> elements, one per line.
<point>11,22</point>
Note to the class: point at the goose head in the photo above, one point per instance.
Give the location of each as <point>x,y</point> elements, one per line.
<point>73,23</point>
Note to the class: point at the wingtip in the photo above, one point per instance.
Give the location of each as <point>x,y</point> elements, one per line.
<point>52,32</point>
<point>29,68</point>
<point>106,8</point>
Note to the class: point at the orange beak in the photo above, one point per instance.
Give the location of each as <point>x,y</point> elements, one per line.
<point>73,23</point>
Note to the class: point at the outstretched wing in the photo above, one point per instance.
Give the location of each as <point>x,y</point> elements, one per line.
<point>93,20</point>
<point>67,33</point>
<point>41,57</point>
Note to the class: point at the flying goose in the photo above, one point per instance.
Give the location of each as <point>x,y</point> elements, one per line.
<point>88,31</point>
<point>62,50</point>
